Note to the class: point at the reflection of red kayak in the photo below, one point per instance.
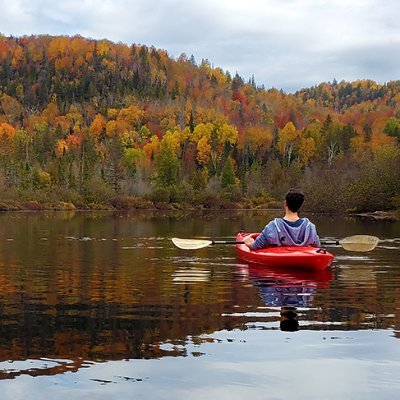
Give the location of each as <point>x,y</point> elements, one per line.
<point>282,276</point>
<point>285,256</point>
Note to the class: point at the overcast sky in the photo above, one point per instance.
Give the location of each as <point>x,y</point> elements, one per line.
<point>287,44</point>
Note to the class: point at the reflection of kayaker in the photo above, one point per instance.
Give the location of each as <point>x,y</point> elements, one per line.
<point>288,289</point>
<point>291,296</point>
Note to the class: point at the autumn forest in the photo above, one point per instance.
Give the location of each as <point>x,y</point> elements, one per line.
<point>97,124</point>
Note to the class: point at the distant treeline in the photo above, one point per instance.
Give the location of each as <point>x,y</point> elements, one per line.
<point>94,123</point>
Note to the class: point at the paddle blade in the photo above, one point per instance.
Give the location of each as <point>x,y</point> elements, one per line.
<point>191,244</point>
<point>359,243</point>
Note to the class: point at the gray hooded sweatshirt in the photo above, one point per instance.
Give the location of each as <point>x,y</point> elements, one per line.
<point>280,232</point>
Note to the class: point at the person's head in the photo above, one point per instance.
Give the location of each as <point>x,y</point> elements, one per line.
<point>294,199</point>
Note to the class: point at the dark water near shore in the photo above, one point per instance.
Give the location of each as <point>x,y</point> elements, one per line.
<point>102,305</point>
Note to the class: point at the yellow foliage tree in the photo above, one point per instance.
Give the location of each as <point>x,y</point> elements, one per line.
<point>286,140</point>
<point>133,115</point>
<point>256,139</point>
<point>98,126</point>
<point>152,148</point>
<point>227,133</point>
<point>61,148</point>
<point>379,139</point>
<point>112,129</point>
<point>74,115</point>
<point>202,130</point>
<point>307,149</point>
<point>17,56</point>
<point>50,113</point>
<point>173,140</point>
<point>57,47</point>
<point>35,52</point>
<point>112,113</point>
<point>103,47</point>
<point>203,151</point>
<point>64,123</point>
<point>11,106</point>
<point>6,131</point>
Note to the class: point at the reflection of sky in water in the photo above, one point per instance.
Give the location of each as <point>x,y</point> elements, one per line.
<point>238,364</point>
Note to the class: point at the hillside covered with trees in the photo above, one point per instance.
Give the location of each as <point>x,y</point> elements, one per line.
<point>89,123</point>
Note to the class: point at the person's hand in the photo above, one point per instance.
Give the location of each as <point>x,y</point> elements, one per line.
<point>248,241</point>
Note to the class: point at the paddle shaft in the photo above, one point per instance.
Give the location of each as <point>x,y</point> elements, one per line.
<point>336,242</point>
<point>330,242</point>
<point>225,242</point>
<point>323,242</point>
<point>234,242</point>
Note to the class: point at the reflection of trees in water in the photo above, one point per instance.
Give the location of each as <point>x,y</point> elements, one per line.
<point>56,367</point>
<point>109,333</point>
<point>113,296</point>
<point>70,299</point>
<point>76,320</point>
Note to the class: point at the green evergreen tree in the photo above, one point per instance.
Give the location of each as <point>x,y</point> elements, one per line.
<point>167,164</point>
<point>228,177</point>
<point>191,122</point>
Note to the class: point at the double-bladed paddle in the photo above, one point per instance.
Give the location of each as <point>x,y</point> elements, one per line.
<point>351,243</point>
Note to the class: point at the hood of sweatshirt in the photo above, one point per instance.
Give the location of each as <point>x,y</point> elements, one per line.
<point>300,235</point>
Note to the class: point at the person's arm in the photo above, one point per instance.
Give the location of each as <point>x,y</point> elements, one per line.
<point>315,238</point>
<point>260,242</point>
<point>317,242</point>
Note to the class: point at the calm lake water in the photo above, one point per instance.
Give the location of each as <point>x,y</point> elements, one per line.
<point>103,306</point>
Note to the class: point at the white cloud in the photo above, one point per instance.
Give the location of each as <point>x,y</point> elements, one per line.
<point>284,43</point>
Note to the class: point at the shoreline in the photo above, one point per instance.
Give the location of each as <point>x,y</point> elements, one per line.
<point>35,206</point>
<point>380,215</point>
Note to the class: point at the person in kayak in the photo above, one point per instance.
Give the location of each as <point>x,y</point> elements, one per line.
<point>291,230</point>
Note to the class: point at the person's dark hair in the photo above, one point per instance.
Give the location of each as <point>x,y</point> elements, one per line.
<point>294,199</point>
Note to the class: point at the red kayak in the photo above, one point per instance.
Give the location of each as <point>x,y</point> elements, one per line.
<point>285,256</point>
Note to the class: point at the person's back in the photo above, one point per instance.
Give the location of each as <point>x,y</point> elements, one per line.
<point>291,230</point>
